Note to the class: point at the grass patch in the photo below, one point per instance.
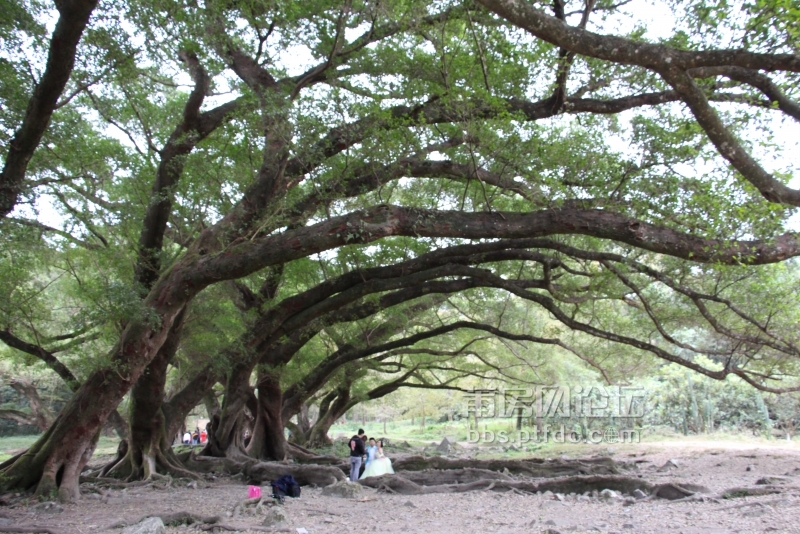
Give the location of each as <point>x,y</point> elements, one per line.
<point>11,445</point>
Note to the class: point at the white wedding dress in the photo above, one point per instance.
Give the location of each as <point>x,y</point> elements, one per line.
<point>377,465</point>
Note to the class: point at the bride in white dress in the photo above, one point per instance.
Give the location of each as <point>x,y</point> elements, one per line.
<point>377,463</point>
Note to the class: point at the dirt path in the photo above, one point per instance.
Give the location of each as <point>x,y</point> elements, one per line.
<point>716,465</point>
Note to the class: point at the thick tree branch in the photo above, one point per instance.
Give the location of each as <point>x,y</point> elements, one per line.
<point>73,18</point>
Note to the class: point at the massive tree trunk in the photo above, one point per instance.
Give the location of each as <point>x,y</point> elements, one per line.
<point>226,426</point>
<point>269,441</point>
<point>150,445</point>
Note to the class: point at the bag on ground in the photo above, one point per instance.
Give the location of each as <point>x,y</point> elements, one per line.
<point>285,486</point>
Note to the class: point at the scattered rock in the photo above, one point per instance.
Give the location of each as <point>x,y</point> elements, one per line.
<point>275,517</point>
<point>609,495</point>
<point>343,488</point>
<point>750,467</point>
<point>639,494</point>
<point>670,464</point>
<point>151,525</point>
<point>409,504</point>
<point>444,446</point>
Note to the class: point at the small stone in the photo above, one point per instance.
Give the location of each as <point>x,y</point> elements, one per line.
<point>151,525</point>
<point>409,504</point>
<point>750,467</point>
<point>609,495</point>
<point>192,484</point>
<point>628,525</point>
<point>275,517</point>
<point>639,494</point>
<point>670,464</point>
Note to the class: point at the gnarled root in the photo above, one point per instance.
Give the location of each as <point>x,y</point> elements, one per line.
<point>304,474</point>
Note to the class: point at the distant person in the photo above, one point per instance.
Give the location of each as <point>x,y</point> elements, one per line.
<point>356,454</point>
<point>187,438</point>
<point>195,437</point>
<point>203,436</point>
<point>380,464</point>
<point>372,451</point>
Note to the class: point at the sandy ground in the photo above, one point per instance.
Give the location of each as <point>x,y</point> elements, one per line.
<point>716,465</point>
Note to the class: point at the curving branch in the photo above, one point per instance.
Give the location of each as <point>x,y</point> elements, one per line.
<point>73,18</point>
<point>674,66</point>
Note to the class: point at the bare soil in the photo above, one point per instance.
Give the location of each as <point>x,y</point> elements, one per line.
<point>716,465</point>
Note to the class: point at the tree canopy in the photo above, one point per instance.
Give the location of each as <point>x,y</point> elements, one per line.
<point>338,198</point>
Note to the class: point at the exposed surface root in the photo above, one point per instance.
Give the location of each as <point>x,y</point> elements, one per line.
<point>734,493</point>
<point>234,528</point>
<point>211,464</point>
<point>577,484</point>
<point>319,475</point>
<point>175,519</point>
<point>29,528</point>
<point>435,477</point>
<point>302,455</point>
<point>534,467</point>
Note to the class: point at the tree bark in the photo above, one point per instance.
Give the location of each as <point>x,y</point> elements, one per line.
<point>269,441</point>
<point>150,446</point>
<point>73,18</point>
<point>226,425</point>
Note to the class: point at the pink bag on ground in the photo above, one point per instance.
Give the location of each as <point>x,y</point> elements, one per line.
<point>253,492</point>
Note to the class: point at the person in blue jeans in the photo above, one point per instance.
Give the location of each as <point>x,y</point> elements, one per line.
<point>356,454</point>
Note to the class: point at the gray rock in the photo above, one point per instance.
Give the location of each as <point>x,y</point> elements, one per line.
<point>639,494</point>
<point>344,489</point>
<point>609,495</point>
<point>444,446</point>
<point>409,504</point>
<point>750,467</point>
<point>670,464</point>
<point>151,525</point>
<point>275,517</point>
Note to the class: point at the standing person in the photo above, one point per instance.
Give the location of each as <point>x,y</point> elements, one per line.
<point>195,437</point>
<point>187,438</point>
<point>203,436</point>
<point>356,454</point>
